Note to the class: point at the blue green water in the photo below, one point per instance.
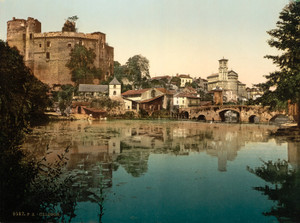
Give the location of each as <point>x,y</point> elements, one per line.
<point>168,171</point>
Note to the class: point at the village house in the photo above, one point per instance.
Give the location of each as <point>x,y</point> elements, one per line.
<point>89,91</point>
<point>185,78</point>
<point>184,100</point>
<point>150,99</point>
<point>254,93</point>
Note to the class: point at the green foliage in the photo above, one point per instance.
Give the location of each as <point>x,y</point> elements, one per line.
<point>129,115</point>
<point>205,96</point>
<point>81,64</point>
<point>176,81</point>
<point>64,97</point>
<point>138,69</point>
<point>24,186</point>
<point>22,96</point>
<point>283,85</point>
<point>135,70</point>
<point>104,103</point>
<point>73,18</point>
<point>164,113</point>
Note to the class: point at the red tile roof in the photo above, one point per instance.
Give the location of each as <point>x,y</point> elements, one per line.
<point>134,92</point>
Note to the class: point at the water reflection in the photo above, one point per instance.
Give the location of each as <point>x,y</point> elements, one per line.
<point>130,144</point>
<point>99,149</point>
<point>283,185</point>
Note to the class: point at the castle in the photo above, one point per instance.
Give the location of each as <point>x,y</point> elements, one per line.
<point>46,54</point>
<point>227,81</point>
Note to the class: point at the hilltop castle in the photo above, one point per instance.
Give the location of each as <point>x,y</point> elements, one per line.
<point>46,54</point>
<point>227,81</point>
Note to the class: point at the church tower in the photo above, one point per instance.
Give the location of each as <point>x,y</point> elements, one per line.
<point>223,69</point>
<point>114,88</point>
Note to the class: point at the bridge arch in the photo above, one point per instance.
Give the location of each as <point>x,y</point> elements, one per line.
<point>184,115</point>
<point>201,118</point>
<point>229,115</point>
<point>253,119</point>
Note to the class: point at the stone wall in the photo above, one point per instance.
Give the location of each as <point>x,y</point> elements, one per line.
<point>47,53</point>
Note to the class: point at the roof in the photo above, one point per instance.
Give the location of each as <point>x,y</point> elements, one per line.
<point>186,95</point>
<point>134,92</point>
<point>114,82</point>
<point>213,75</point>
<point>151,99</point>
<point>184,76</point>
<point>80,103</point>
<point>92,88</point>
<point>165,91</point>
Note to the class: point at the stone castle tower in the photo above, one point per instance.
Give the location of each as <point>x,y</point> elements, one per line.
<point>46,54</point>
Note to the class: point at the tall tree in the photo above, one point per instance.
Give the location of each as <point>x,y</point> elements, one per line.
<point>284,84</point>
<point>22,96</point>
<point>81,64</point>
<point>138,69</point>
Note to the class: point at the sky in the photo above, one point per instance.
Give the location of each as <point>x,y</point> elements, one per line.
<point>176,36</point>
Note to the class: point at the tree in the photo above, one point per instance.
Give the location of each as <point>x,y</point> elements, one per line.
<point>176,80</point>
<point>64,97</point>
<point>73,18</point>
<point>284,84</point>
<point>81,64</point>
<point>22,96</point>
<point>138,69</point>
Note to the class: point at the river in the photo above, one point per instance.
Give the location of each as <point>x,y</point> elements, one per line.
<point>165,171</point>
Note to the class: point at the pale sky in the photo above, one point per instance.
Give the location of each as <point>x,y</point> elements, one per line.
<point>176,36</point>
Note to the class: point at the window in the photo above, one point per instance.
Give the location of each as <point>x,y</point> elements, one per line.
<point>24,36</point>
<point>115,86</point>
<point>153,93</point>
<point>40,45</point>
<point>48,55</point>
<point>69,45</point>
<point>48,44</point>
<point>80,42</point>
<point>30,35</point>
<point>115,93</point>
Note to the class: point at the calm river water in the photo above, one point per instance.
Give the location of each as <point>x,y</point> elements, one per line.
<point>165,171</point>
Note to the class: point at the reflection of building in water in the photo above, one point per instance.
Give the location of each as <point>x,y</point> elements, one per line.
<point>130,144</point>
<point>294,154</point>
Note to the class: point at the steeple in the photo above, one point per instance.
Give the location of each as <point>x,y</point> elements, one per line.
<point>223,69</point>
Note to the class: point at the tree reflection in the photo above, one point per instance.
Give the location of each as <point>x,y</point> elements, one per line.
<point>283,187</point>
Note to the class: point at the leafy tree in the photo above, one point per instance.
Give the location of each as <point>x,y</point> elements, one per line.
<point>138,69</point>
<point>81,64</point>
<point>176,81</point>
<point>23,97</point>
<point>73,18</point>
<point>285,81</point>
<point>65,96</point>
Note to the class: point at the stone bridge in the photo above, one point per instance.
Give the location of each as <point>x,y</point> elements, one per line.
<point>243,113</point>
